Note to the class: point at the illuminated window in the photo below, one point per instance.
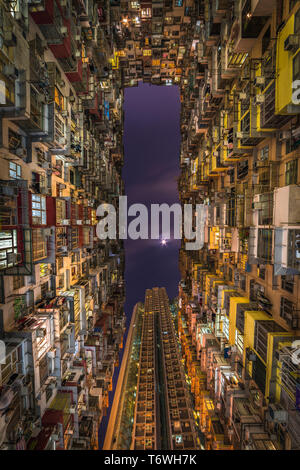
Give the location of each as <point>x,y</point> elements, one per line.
<point>146,13</point>
<point>15,171</point>
<point>39,245</point>
<point>59,99</point>
<point>147,52</point>
<point>135,5</point>
<point>44,270</point>
<point>38,210</point>
<point>8,248</point>
<point>60,210</point>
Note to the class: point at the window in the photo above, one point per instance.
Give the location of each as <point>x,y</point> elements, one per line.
<point>264,154</point>
<point>287,283</point>
<point>15,171</point>
<point>39,245</point>
<point>296,67</point>
<point>38,210</point>
<point>294,249</point>
<point>288,313</point>
<point>178,3</point>
<point>60,263</point>
<point>264,245</point>
<point>44,289</point>
<point>266,40</point>
<point>18,282</point>
<point>291,172</point>
<point>59,99</point>
<point>262,273</point>
<point>146,13</point>
<point>14,141</point>
<point>8,248</point>
<point>61,281</point>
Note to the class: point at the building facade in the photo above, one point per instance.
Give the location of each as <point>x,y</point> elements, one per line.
<point>239,295</point>
<point>63,68</point>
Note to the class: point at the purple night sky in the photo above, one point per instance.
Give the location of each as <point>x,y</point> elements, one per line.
<point>150,172</point>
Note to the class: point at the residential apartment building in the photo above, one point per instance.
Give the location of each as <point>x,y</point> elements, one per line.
<point>62,288</point>
<point>63,67</point>
<point>239,295</point>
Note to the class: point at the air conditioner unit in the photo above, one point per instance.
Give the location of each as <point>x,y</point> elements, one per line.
<point>10,71</point>
<point>65,222</point>
<point>50,294</point>
<point>48,232</point>
<point>259,81</point>
<point>242,96</point>
<point>278,413</point>
<point>79,222</point>
<point>241,135</point>
<point>291,43</point>
<point>251,356</point>
<point>284,135</point>
<point>72,410</point>
<point>41,332</point>
<point>259,99</point>
<point>64,31</point>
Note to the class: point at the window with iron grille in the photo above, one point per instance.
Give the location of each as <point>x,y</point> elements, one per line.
<point>289,313</point>
<point>39,245</point>
<point>264,244</point>
<point>262,273</point>
<point>287,283</point>
<point>262,328</point>
<point>294,249</point>
<point>44,289</point>
<point>243,284</point>
<point>291,171</point>
<point>15,170</point>
<point>18,282</point>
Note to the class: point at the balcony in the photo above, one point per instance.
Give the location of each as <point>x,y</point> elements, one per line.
<point>250,17</point>
<point>48,14</point>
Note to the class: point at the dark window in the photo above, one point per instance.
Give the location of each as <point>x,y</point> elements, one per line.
<point>44,288</point>
<point>289,313</point>
<point>291,172</point>
<point>264,245</point>
<point>287,283</point>
<point>262,273</point>
<point>296,67</point>
<point>18,282</point>
<point>266,40</point>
